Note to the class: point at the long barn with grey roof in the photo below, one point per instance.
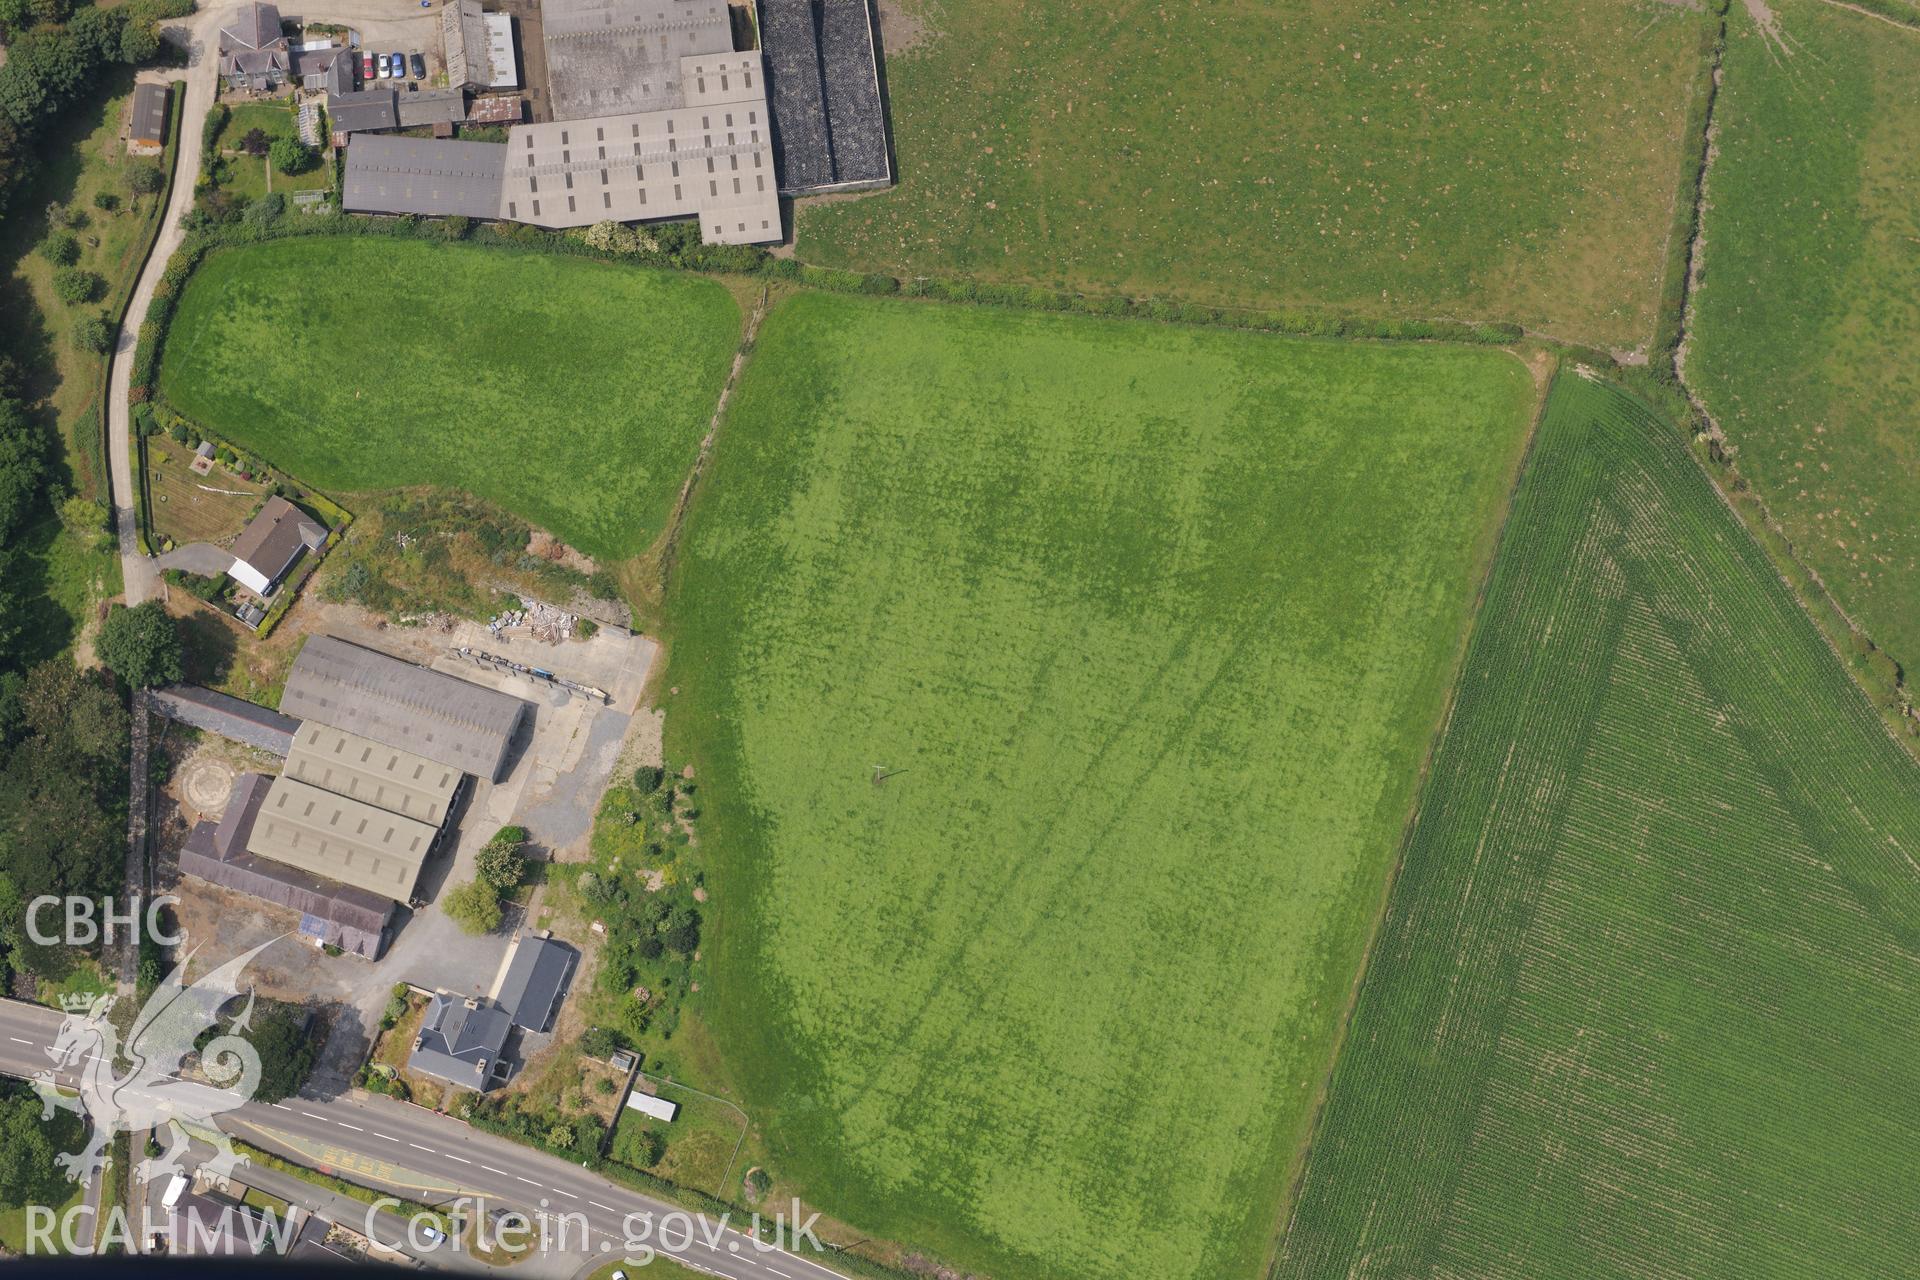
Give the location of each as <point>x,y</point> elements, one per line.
<point>425,712</point>
<point>431,176</point>
<point>823,92</point>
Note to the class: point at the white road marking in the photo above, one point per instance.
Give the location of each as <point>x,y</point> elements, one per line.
<point>775,1270</point>
<point>280,1106</point>
<point>609,1208</point>
<point>489,1168</point>
<point>568,1194</point>
<point>309,1115</point>
<point>529,1181</point>
<point>389,1137</point>
<point>18,1040</point>
<point>344,1125</point>
<point>417,1147</point>
<point>458,1158</point>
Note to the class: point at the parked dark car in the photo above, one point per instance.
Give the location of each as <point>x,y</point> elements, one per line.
<point>419,65</point>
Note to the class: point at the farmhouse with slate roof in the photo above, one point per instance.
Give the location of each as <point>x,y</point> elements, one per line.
<point>253,53</point>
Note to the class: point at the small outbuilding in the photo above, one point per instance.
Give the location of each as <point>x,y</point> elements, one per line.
<point>648,1104</point>
<point>147,132</point>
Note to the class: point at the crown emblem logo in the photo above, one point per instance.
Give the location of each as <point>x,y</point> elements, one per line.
<point>79,1001</point>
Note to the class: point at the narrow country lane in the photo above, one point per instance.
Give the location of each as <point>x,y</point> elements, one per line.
<point>199,35</point>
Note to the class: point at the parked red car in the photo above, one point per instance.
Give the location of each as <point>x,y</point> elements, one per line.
<point>366,67</point>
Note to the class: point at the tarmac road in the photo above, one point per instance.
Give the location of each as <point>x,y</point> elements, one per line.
<point>423,1155</point>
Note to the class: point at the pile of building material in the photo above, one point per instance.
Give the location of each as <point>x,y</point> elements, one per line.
<point>549,623</point>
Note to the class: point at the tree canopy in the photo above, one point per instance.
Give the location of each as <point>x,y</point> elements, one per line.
<point>474,906</point>
<point>141,645</point>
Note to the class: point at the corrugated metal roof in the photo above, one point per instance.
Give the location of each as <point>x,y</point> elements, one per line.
<point>610,57</point>
<point>362,769</point>
<point>369,109</point>
<point>350,916</point>
<point>823,79</point>
<point>342,839</point>
<point>427,176</point>
<point>426,712</point>
<point>150,113</point>
<point>432,106</point>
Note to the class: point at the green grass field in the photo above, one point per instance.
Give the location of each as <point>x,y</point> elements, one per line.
<point>1485,162</point>
<point>1809,310</point>
<point>572,392</point>
<point>1644,1003</point>
<point>1151,627</point>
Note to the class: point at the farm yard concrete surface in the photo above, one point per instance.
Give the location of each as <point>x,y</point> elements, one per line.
<point>1151,627</point>
<point>573,392</point>
<point>1644,1001</point>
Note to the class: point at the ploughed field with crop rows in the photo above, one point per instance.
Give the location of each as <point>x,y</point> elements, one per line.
<point>569,391</point>
<point>1646,999</point>
<point>1151,627</point>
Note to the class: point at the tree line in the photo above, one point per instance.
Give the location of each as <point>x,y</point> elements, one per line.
<point>54,53</point>
<point>63,729</point>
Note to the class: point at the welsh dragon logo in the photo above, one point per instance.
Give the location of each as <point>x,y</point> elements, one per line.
<point>152,1094</point>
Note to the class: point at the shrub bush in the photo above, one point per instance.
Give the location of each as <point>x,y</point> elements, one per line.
<point>61,249</point>
<point>73,286</point>
<point>290,155</point>
<point>474,906</point>
<point>93,334</point>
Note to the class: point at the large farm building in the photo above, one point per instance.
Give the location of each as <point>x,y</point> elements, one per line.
<point>653,114</point>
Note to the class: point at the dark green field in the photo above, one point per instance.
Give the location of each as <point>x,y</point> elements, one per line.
<point>572,392</point>
<point>1151,627</point>
<point>1647,995</point>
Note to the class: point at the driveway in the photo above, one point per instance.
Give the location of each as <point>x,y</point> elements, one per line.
<point>203,558</point>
